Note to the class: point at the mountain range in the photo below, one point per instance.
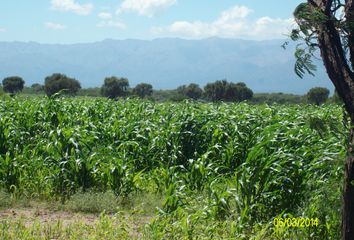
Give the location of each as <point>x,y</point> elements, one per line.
<point>165,63</point>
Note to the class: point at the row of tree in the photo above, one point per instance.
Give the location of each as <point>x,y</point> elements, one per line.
<point>52,84</point>
<point>114,87</point>
<point>220,90</point>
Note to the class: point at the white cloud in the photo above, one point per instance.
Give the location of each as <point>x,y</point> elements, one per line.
<point>105,15</point>
<point>232,23</point>
<point>111,23</point>
<point>71,6</point>
<point>147,8</point>
<point>236,12</point>
<point>269,27</point>
<point>2,30</point>
<point>54,26</point>
<point>107,21</point>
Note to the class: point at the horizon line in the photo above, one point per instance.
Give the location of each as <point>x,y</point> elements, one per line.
<point>144,40</point>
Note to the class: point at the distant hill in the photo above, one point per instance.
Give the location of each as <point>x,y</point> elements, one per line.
<point>165,63</point>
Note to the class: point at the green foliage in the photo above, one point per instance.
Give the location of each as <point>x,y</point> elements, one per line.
<point>192,91</point>
<point>336,98</point>
<point>163,95</point>
<point>216,91</point>
<point>37,88</point>
<point>5,199</point>
<point>13,84</point>
<point>222,170</point>
<point>90,92</point>
<point>143,90</point>
<point>106,227</point>
<point>310,20</point>
<point>222,90</point>
<point>239,92</point>
<point>59,82</point>
<point>303,62</point>
<point>93,202</point>
<point>279,98</point>
<point>114,87</point>
<point>318,95</point>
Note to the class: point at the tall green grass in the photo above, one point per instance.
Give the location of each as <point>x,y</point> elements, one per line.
<point>218,166</point>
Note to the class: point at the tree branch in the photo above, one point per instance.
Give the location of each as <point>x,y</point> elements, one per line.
<point>349,14</point>
<point>328,7</point>
<point>324,5</point>
<point>336,64</point>
<point>314,3</point>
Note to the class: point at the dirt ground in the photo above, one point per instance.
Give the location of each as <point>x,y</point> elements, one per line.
<point>45,216</point>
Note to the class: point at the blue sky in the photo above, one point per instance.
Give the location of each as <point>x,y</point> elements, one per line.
<point>74,21</point>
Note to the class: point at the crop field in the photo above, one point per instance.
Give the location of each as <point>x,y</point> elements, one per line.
<point>215,171</point>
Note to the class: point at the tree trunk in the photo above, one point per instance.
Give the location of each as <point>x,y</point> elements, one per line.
<point>340,72</point>
<point>349,14</point>
<point>342,77</point>
<point>348,196</point>
<point>348,191</point>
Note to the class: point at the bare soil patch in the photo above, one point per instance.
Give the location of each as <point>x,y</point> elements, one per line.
<point>47,216</point>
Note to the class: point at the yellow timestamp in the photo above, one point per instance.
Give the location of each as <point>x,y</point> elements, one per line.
<point>298,222</point>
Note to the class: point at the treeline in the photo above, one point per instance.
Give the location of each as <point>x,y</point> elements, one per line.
<point>114,87</point>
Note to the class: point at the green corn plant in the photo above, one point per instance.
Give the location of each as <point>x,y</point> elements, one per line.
<point>212,162</point>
